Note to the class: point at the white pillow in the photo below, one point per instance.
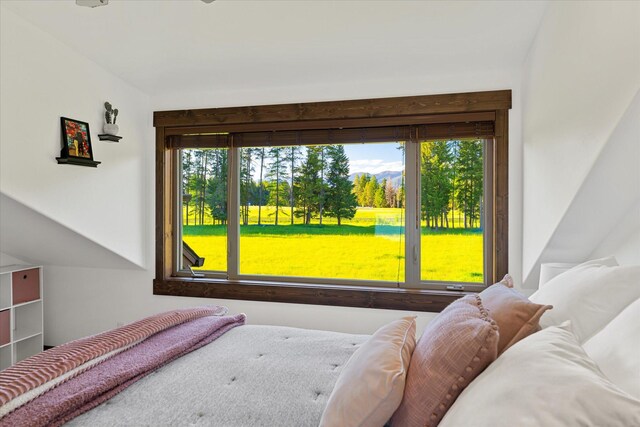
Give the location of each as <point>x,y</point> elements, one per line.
<point>616,349</point>
<point>544,380</point>
<point>590,295</point>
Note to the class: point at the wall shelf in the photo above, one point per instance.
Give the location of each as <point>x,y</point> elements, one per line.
<point>108,137</point>
<point>77,161</point>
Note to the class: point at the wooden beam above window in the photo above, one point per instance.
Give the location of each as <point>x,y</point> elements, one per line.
<point>378,109</point>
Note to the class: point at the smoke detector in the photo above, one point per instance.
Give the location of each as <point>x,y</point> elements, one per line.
<point>92,3</point>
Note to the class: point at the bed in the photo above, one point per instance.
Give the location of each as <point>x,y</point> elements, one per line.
<point>247,377</point>
<point>493,359</point>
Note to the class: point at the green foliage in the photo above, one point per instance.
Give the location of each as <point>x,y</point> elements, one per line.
<point>308,189</point>
<point>379,200</point>
<point>312,183</point>
<point>436,181</point>
<point>340,200</point>
<point>261,186</point>
<point>469,181</point>
<point>359,184</point>
<point>277,195</point>
<point>292,158</point>
<point>370,191</point>
<point>277,173</point>
<point>217,186</point>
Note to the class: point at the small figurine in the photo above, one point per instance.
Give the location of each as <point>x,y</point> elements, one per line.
<point>110,115</point>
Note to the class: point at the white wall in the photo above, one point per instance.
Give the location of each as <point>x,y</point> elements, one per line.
<point>41,80</point>
<point>624,240</point>
<point>81,301</point>
<point>6,259</point>
<point>580,77</point>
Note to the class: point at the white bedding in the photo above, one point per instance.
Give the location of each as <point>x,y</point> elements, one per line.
<point>251,376</point>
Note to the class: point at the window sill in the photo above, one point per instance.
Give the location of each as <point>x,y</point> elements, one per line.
<point>364,297</point>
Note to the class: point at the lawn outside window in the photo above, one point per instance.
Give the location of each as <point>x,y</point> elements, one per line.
<point>318,204</point>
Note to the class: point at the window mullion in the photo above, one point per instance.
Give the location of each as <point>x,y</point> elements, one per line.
<point>176,230</point>
<point>488,212</point>
<point>233,209</point>
<point>412,211</point>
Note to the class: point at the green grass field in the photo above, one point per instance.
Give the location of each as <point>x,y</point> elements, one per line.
<point>369,247</point>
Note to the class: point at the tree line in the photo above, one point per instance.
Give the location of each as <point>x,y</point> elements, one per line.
<point>371,193</point>
<point>452,176</point>
<point>300,182</point>
<point>312,183</point>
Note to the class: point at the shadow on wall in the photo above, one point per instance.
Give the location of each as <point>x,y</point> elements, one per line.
<point>37,239</point>
<point>607,200</point>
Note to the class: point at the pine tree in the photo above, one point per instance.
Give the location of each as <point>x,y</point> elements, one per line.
<point>359,186</point>
<point>217,185</point>
<point>380,198</point>
<point>401,191</point>
<point>340,201</point>
<point>261,186</point>
<point>292,158</point>
<point>246,182</point>
<point>307,188</point>
<point>356,185</point>
<point>202,167</point>
<point>470,179</point>
<point>324,164</point>
<point>401,194</point>
<point>436,181</point>
<point>187,180</point>
<point>277,194</point>
<point>370,191</point>
<point>277,173</point>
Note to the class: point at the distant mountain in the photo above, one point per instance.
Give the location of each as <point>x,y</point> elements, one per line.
<point>394,176</point>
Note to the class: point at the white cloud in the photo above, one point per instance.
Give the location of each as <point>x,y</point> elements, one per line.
<point>374,166</point>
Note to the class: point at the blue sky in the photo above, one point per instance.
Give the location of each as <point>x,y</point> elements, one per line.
<point>363,158</point>
<point>374,158</point>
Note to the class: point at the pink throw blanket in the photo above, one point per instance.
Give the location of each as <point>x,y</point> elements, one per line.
<point>100,383</point>
<point>33,372</point>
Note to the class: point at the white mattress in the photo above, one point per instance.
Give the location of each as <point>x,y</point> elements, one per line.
<point>251,376</point>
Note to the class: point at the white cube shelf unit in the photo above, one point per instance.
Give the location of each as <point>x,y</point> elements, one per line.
<point>21,318</point>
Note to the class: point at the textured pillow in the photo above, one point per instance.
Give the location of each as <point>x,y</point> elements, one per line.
<point>590,295</point>
<point>616,349</point>
<point>516,316</point>
<point>371,384</point>
<point>454,348</point>
<point>544,380</point>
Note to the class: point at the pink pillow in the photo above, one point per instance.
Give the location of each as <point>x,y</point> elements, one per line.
<point>515,315</point>
<point>370,387</point>
<point>454,348</point>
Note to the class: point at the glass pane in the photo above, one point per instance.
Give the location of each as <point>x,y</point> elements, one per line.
<point>331,211</point>
<point>452,205</point>
<point>204,208</point>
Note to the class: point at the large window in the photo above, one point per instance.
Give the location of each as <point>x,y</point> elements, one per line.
<point>452,210</point>
<point>403,212</point>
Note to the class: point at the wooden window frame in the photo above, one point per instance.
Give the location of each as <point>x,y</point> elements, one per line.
<point>436,112</point>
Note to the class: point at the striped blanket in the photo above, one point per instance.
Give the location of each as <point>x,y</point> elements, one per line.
<point>37,386</point>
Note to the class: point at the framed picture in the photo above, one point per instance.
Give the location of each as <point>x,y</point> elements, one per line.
<point>76,139</point>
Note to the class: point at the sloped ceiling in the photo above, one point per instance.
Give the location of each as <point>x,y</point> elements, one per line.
<point>37,239</point>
